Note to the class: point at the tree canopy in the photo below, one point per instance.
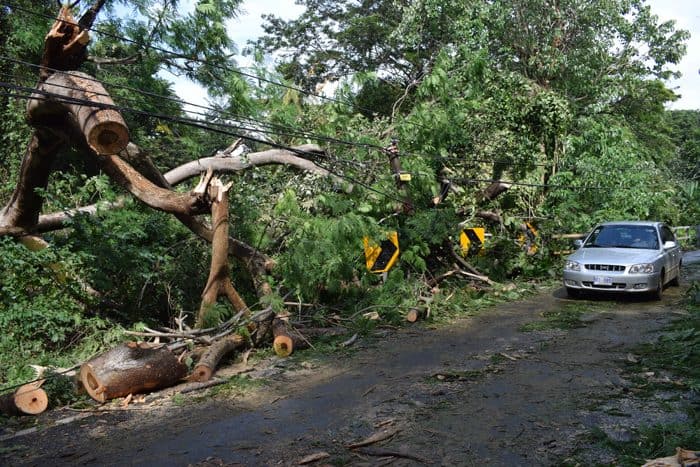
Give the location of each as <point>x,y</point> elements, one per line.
<point>558,106</point>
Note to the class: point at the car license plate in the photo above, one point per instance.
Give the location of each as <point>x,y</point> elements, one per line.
<point>602,280</point>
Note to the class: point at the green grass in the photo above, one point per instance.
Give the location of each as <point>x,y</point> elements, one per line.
<point>676,352</point>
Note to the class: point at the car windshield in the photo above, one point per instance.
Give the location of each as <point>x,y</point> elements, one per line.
<point>623,236</point>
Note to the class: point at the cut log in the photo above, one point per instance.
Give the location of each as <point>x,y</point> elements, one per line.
<point>213,354</point>
<point>287,339</point>
<point>130,369</point>
<point>28,399</point>
<point>104,129</point>
<point>414,314</point>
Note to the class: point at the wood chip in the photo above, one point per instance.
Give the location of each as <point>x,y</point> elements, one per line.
<point>125,402</point>
<point>314,457</point>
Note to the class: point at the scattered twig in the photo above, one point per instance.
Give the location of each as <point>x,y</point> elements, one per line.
<point>374,438</point>
<point>314,457</point>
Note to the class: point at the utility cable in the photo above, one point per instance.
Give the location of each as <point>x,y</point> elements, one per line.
<point>194,123</point>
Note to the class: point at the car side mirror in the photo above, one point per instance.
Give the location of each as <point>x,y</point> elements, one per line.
<point>669,244</point>
<point>578,243</point>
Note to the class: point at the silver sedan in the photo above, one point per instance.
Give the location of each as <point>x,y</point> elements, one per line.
<point>625,257</point>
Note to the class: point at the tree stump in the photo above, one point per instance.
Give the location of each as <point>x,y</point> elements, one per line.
<point>129,369</point>
<point>28,399</point>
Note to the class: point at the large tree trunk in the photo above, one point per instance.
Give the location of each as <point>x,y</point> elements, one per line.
<point>28,399</point>
<point>22,210</point>
<point>219,282</point>
<point>130,369</point>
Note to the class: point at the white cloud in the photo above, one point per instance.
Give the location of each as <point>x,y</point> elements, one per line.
<point>687,16</point>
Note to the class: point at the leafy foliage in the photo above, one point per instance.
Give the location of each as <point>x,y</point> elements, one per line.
<point>564,100</point>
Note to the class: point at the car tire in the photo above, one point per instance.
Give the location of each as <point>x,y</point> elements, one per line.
<point>573,293</point>
<point>659,292</point>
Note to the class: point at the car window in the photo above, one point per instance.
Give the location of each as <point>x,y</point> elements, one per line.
<point>667,234</point>
<point>623,236</point>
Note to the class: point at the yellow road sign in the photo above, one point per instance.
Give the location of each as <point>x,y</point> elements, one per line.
<point>528,238</point>
<point>472,240</point>
<point>382,257</point>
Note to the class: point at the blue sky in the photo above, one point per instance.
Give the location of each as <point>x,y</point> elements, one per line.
<point>685,12</point>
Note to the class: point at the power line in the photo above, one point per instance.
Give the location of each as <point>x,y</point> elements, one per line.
<point>290,131</point>
<point>188,58</point>
<point>194,123</point>
<point>272,82</point>
<point>221,128</point>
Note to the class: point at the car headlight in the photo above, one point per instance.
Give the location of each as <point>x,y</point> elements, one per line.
<point>572,266</point>
<point>643,268</point>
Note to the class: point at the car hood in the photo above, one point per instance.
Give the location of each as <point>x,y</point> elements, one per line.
<point>614,255</point>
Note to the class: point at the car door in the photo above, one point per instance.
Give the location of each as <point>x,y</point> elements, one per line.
<point>672,255</point>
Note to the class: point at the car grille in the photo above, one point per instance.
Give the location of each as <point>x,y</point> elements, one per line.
<point>605,267</point>
<point>613,286</point>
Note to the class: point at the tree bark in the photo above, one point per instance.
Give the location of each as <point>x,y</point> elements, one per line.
<point>219,282</point>
<point>149,193</point>
<point>490,216</point>
<point>494,190</point>
<point>24,206</point>
<point>28,399</point>
<point>129,369</point>
<point>255,159</point>
<point>211,357</point>
<point>65,44</point>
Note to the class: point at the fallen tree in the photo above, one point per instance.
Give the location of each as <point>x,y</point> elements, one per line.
<point>130,369</point>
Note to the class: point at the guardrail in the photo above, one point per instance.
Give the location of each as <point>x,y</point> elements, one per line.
<point>687,235</point>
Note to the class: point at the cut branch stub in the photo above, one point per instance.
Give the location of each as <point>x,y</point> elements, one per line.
<point>103,127</point>
<point>129,369</point>
<point>64,45</point>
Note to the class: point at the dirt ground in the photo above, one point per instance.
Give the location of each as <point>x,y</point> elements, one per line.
<point>481,391</point>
